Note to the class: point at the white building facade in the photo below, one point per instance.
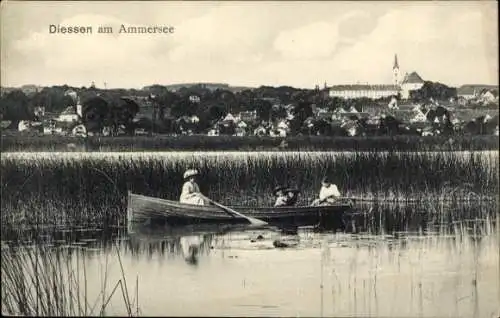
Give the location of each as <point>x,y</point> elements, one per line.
<point>402,88</point>
<point>364,91</point>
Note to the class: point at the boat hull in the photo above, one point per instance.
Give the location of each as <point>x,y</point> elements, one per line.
<point>152,211</point>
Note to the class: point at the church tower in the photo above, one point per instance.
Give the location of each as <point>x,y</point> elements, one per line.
<point>395,71</point>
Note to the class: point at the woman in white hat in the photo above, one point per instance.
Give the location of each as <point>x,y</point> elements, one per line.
<point>190,190</point>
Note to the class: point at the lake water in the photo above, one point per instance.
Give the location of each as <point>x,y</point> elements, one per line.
<point>318,274</point>
<point>423,260</point>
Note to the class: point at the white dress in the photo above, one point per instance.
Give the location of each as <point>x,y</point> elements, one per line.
<point>329,194</point>
<point>188,194</point>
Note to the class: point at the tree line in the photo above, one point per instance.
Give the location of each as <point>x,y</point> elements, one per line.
<point>117,107</point>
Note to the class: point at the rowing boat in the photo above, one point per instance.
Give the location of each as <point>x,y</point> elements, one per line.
<point>147,210</point>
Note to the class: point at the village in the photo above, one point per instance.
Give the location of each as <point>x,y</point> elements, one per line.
<point>407,106</point>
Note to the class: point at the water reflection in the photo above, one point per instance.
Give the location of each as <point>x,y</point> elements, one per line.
<point>434,262</point>
<point>311,274</point>
<point>385,217</point>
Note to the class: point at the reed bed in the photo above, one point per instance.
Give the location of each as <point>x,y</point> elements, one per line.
<point>247,143</point>
<point>90,188</point>
<point>46,280</point>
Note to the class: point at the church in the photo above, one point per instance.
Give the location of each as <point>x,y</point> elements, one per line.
<point>410,82</point>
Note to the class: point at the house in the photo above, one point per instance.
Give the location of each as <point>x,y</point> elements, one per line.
<point>411,82</point>
<point>487,118</point>
<point>488,96</point>
<point>107,131</point>
<point>309,122</point>
<point>472,91</point>
<point>319,110</point>
<point>280,130</point>
<point>186,123</point>
<point>260,131</point>
<point>242,125</point>
<point>54,127</point>
<point>351,127</point>
<point>24,125</point>
<point>438,115</point>
<point>248,116</point>
<point>353,110</point>
<point>241,129</point>
<point>140,131</point>
<point>194,98</point>
<point>428,131</point>
<point>68,115</point>
<point>418,117</point>
<point>326,115</point>
<point>393,104</point>
<point>39,112</point>
<point>79,130</point>
<point>214,131</point>
<point>373,120</point>
<point>229,118</point>
<point>194,119</point>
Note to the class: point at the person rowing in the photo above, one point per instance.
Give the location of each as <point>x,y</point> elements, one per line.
<point>190,190</point>
<point>328,194</point>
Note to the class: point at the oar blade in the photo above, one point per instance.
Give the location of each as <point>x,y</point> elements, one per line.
<point>256,222</point>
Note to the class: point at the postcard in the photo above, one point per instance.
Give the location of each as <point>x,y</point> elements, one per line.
<point>250,158</point>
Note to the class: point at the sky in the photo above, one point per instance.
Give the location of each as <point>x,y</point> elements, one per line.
<point>300,44</point>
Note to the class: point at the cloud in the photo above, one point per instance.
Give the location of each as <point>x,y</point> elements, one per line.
<point>253,44</point>
<point>355,24</point>
<point>431,40</point>
<point>229,34</point>
<point>316,40</point>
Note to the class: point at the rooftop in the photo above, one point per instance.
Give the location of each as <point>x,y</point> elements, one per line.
<point>412,78</point>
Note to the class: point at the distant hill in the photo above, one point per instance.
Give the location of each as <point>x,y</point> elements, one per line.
<point>210,86</point>
<point>470,88</point>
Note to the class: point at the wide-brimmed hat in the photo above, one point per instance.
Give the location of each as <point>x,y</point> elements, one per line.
<point>326,180</point>
<point>292,189</point>
<point>190,173</point>
<point>278,188</point>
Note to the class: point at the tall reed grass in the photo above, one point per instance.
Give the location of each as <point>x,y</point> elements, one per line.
<point>47,280</point>
<point>89,188</point>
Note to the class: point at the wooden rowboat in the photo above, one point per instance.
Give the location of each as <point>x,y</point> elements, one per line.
<point>147,210</point>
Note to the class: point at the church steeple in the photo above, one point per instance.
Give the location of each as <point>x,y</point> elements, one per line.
<point>395,70</point>
<point>396,64</point>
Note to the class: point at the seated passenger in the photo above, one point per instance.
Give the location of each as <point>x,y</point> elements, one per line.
<point>292,196</point>
<point>281,197</point>
<point>190,190</point>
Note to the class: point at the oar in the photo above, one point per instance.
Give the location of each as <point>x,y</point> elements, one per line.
<point>252,221</point>
<point>339,198</point>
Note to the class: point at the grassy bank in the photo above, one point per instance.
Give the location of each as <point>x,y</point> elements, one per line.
<point>90,188</point>
<point>203,142</point>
